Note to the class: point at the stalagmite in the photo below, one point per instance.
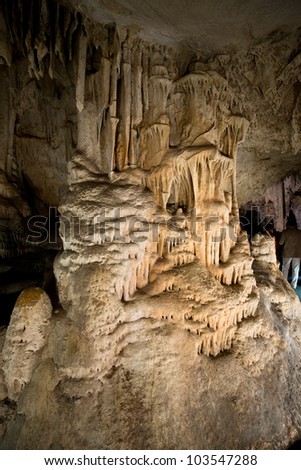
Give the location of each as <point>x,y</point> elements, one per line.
<point>25,337</point>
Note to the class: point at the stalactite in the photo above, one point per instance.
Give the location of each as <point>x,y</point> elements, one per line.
<point>137,108</point>
<point>156,84</point>
<point>205,178</point>
<point>145,80</point>
<point>6,114</point>
<point>134,273</point>
<point>124,126</point>
<point>5,43</point>
<point>81,70</point>
<point>101,91</point>
<point>223,327</point>
<point>74,23</point>
<point>115,55</point>
<point>41,32</point>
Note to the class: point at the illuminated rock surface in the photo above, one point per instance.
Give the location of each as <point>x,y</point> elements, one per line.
<point>167,327</point>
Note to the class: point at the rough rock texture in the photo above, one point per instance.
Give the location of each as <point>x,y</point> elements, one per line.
<point>108,384</point>
<point>263,248</point>
<point>167,329</point>
<point>25,337</point>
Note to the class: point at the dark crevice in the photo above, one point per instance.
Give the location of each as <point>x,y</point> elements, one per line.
<point>295,445</point>
<point>28,270</point>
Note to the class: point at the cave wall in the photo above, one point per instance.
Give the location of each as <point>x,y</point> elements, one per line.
<point>156,279</point>
<point>276,204</point>
<point>40,115</point>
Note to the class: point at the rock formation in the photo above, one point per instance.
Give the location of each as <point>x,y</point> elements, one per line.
<point>169,322</point>
<point>25,337</point>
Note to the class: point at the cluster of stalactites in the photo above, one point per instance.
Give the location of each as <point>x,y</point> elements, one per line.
<point>203,109</point>
<point>44,32</point>
<point>219,331</point>
<point>130,88</point>
<point>126,99</point>
<point>201,183</point>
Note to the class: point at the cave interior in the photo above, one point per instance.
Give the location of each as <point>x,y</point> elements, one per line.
<point>149,161</point>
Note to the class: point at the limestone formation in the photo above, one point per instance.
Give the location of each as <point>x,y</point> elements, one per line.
<point>165,317</point>
<point>24,339</point>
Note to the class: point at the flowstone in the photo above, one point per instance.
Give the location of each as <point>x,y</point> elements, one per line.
<point>172,329</point>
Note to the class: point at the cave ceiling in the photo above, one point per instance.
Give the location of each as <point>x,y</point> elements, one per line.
<point>204,26</point>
